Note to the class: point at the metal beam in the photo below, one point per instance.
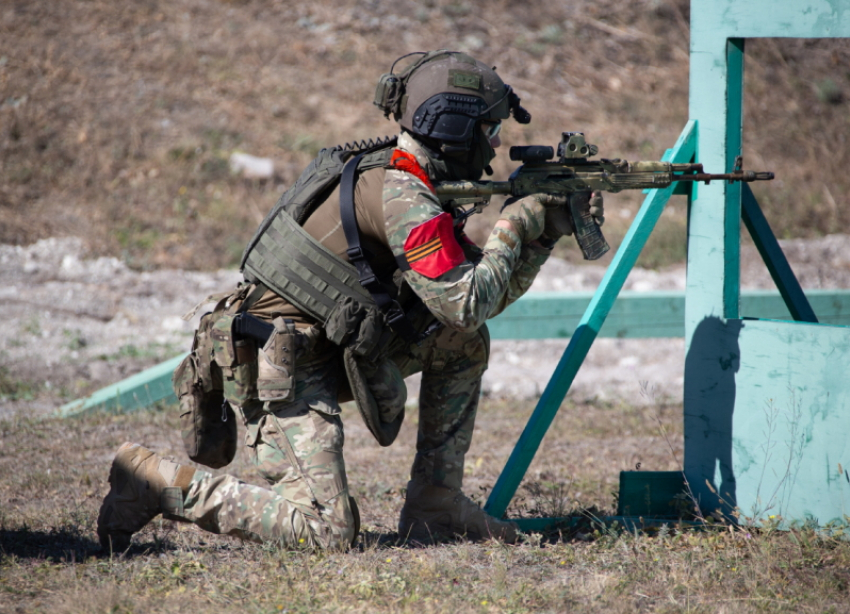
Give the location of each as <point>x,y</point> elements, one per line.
<point>584,335</point>
<point>774,258</point>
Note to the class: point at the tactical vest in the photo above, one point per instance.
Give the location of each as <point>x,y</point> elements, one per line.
<point>346,297</point>
<point>289,261</point>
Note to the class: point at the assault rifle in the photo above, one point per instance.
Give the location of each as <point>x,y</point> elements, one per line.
<point>577,177</point>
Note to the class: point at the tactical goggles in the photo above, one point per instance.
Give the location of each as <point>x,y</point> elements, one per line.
<point>491,130</point>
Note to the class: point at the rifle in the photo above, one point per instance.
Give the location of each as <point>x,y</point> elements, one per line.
<point>577,177</point>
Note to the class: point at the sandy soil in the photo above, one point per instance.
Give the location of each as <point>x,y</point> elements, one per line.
<point>73,324</point>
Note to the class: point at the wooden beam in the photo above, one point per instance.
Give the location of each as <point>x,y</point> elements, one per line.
<point>774,258</point>
<point>537,315</point>
<point>141,390</point>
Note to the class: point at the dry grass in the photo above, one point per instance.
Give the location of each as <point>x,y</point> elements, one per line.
<point>117,118</point>
<point>53,476</point>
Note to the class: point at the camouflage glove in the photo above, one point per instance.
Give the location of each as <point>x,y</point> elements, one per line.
<point>597,208</point>
<point>558,223</point>
<point>527,215</point>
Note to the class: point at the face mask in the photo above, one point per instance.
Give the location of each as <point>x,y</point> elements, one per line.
<point>481,153</point>
<point>461,165</point>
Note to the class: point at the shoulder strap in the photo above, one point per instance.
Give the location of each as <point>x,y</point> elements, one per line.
<point>392,311</point>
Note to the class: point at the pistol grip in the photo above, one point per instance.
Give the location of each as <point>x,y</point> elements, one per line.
<point>587,232</point>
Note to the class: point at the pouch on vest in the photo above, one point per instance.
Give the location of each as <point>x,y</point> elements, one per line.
<point>380,393</point>
<point>276,369</point>
<point>237,359</point>
<point>374,381</point>
<point>207,422</point>
<point>358,326</point>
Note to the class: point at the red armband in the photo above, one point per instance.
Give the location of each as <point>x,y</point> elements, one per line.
<point>431,248</point>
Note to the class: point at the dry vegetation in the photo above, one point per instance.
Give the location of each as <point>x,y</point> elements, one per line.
<point>117,118</point>
<point>52,478</point>
<point>116,123</point>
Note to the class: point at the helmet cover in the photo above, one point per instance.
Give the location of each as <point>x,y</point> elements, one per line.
<point>444,95</point>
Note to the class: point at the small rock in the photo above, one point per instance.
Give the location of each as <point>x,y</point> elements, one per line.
<point>251,167</point>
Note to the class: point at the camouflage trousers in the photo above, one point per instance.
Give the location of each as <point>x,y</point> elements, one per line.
<point>298,449</point>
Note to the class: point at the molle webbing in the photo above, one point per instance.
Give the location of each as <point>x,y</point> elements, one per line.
<point>315,184</point>
<point>291,262</point>
<point>297,267</point>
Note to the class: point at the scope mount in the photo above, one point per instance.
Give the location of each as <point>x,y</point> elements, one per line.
<point>573,145</point>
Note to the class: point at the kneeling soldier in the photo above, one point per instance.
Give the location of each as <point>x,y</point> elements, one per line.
<point>357,278</point>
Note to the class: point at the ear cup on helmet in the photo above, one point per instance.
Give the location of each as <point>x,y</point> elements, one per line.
<point>443,96</point>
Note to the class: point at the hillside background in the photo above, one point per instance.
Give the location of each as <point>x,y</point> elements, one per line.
<point>117,118</point>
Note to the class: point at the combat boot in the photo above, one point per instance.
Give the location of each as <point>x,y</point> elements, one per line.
<point>434,512</point>
<point>142,485</point>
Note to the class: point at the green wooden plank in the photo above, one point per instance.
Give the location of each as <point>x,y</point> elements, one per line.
<point>584,335</point>
<point>537,315</point>
<point>556,315</point>
<point>833,306</point>
<point>644,315</point>
<point>136,392</point>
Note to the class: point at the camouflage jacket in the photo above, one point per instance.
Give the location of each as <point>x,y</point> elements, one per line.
<point>461,285</point>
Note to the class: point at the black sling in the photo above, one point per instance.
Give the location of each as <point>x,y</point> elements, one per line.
<point>389,307</point>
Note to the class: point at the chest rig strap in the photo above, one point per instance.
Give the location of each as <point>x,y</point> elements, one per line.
<point>389,307</point>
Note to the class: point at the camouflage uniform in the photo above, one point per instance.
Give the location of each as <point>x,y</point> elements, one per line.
<point>297,444</point>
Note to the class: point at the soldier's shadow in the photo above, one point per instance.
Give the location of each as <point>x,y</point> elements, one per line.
<point>65,544</point>
<point>392,540</point>
<point>373,540</point>
<point>68,545</point>
<point>376,539</point>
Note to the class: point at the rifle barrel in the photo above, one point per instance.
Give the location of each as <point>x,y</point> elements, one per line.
<point>747,176</point>
<point>473,188</point>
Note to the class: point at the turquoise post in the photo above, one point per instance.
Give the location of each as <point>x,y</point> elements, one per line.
<point>586,332</point>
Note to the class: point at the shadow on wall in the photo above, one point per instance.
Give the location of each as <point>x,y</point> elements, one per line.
<point>713,359</point>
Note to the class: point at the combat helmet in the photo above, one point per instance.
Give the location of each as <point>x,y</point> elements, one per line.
<point>444,95</point>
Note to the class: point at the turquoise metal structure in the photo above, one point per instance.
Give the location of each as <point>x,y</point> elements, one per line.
<point>764,399</point>
<point>766,402</point>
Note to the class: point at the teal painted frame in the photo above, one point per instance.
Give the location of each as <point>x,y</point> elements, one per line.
<point>718,32</point>
<point>586,332</point>
<point>730,376</point>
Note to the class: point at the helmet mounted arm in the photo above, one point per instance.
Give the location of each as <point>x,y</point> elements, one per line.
<point>517,110</point>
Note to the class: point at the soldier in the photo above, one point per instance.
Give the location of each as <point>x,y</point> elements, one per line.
<point>365,282</point>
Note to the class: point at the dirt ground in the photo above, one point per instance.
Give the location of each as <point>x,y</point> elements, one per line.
<point>73,324</point>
